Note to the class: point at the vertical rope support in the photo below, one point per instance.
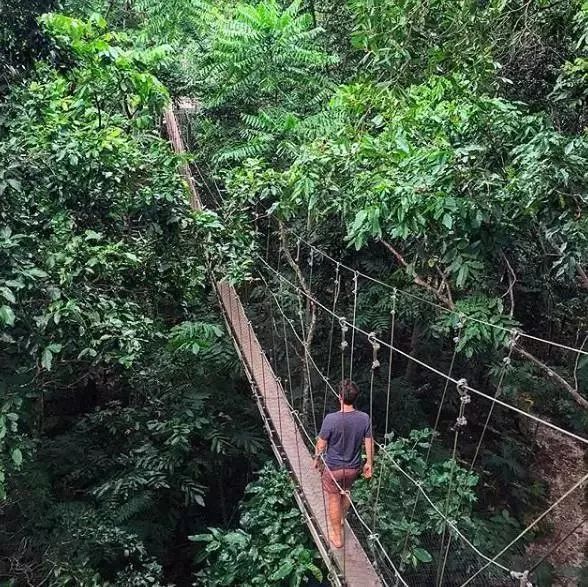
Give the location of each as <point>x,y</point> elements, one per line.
<point>461,422</point>
<point>375,364</point>
<point>456,339</point>
<point>331,332</point>
<point>506,362</point>
<point>388,390</point>
<point>355,290</point>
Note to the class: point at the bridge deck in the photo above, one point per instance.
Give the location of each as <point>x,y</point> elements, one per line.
<point>354,567</point>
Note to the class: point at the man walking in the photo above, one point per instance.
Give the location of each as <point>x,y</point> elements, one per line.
<point>340,440</point>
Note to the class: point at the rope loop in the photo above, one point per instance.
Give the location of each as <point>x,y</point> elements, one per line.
<point>515,334</point>
<point>462,386</point>
<point>355,279</point>
<point>376,347</point>
<point>523,578</point>
<point>373,536</point>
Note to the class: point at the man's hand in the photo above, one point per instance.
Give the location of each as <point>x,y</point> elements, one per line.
<point>367,471</point>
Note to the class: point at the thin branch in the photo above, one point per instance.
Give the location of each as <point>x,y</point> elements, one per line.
<point>579,399</point>
<point>512,279</point>
<point>419,280</point>
<point>578,361</point>
<point>583,276</point>
<point>308,335</point>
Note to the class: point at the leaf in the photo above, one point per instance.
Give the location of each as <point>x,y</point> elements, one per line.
<point>7,294</point>
<point>17,457</point>
<point>422,555</point>
<point>286,568</point>
<point>7,315</point>
<point>47,359</point>
<point>15,184</point>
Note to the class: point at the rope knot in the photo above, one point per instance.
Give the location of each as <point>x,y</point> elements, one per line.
<point>461,422</point>
<point>375,347</point>
<point>462,386</point>
<point>515,334</point>
<point>523,578</point>
<point>373,536</point>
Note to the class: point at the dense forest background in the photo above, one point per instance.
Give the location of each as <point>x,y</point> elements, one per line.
<point>438,146</point>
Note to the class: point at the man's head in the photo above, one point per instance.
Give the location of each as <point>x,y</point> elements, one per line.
<point>348,392</point>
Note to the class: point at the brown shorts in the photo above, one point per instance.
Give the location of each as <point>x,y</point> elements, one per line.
<point>339,480</point>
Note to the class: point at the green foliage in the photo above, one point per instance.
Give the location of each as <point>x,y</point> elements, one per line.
<point>412,39</point>
<point>262,55</point>
<point>266,549</point>
<point>21,41</point>
<point>408,519</point>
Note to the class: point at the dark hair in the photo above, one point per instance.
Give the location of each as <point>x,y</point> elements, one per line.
<point>348,391</point>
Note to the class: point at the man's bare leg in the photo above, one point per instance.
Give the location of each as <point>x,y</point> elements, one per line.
<point>334,507</point>
<point>345,505</point>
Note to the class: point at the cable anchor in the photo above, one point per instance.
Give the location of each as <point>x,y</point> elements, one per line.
<point>375,347</point>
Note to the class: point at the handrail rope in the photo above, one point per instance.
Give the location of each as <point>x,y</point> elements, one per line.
<point>436,371</point>
<point>296,415</point>
<point>528,528</point>
<point>382,447</point>
<point>434,304</point>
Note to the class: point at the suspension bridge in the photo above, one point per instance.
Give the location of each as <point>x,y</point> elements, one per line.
<point>363,561</point>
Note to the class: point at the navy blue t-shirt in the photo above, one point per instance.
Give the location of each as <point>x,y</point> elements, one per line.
<point>344,433</point>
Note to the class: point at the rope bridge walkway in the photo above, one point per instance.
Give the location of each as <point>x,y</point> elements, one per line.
<point>350,566</point>
<point>363,561</point>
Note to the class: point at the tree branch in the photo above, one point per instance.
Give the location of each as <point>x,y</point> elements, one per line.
<point>580,400</point>
<point>512,279</point>
<point>310,326</point>
<point>583,276</point>
<point>573,391</point>
<point>419,280</point>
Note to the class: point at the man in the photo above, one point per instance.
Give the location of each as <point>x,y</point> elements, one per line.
<point>340,440</point>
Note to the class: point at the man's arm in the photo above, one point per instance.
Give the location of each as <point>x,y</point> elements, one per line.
<point>369,452</point>
<point>319,449</point>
